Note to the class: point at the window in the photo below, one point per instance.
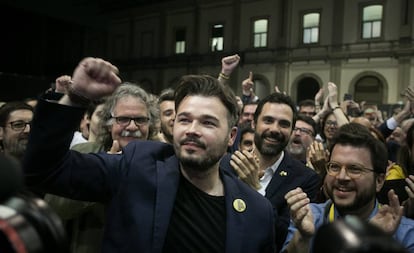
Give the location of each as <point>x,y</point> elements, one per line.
<point>180,41</point>
<point>217,37</point>
<point>371,21</point>
<point>311,28</point>
<point>370,89</point>
<point>260,33</point>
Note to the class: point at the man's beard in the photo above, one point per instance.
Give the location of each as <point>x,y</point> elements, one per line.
<point>361,200</point>
<point>17,148</point>
<point>296,149</point>
<point>270,149</point>
<point>200,163</point>
<point>167,132</point>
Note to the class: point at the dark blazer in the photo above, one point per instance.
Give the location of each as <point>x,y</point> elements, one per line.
<point>383,128</point>
<point>138,186</point>
<point>296,175</point>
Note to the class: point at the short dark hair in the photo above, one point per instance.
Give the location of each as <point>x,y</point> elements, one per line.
<point>93,105</point>
<point>245,128</point>
<point>357,135</point>
<point>306,102</point>
<point>10,107</point>
<point>166,95</point>
<point>308,120</point>
<point>204,85</point>
<point>277,98</point>
<point>249,103</point>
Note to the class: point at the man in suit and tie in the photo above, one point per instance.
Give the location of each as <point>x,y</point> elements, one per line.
<point>160,198</point>
<point>274,121</point>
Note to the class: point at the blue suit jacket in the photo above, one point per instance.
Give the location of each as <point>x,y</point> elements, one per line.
<point>297,175</point>
<point>138,186</point>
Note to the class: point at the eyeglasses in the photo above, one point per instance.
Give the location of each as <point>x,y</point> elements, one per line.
<point>125,121</point>
<point>353,171</point>
<point>303,130</point>
<point>309,114</point>
<point>19,125</point>
<point>331,123</point>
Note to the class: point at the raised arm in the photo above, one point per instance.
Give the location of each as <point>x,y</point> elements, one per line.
<point>228,64</point>
<point>92,79</point>
<point>49,165</point>
<point>318,99</point>
<point>302,218</point>
<point>247,89</point>
<point>333,103</point>
<point>389,216</point>
<point>62,83</point>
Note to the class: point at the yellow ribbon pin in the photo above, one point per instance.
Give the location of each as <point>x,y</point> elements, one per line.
<point>283,173</point>
<point>239,205</point>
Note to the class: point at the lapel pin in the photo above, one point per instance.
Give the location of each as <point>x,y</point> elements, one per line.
<point>283,173</point>
<point>239,205</point>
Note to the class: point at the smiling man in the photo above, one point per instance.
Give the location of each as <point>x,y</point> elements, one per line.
<point>355,173</point>
<point>274,120</point>
<point>161,198</point>
<point>167,115</point>
<point>15,120</point>
<point>128,114</point>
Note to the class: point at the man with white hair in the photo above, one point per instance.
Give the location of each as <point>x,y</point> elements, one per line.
<point>128,114</point>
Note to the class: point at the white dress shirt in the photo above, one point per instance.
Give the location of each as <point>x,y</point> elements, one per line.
<point>265,180</point>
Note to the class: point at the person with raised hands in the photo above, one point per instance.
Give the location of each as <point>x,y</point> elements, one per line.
<point>277,171</point>
<point>355,173</point>
<point>160,198</point>
<point>228,64</point>
<point>248,95</point>
<point>335,106</point>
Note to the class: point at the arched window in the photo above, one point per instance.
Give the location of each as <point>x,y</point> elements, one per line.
<point>369,89</point>
<point>307,88</point>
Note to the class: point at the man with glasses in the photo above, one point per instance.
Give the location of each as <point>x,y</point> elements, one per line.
<point>274,120</point>
<point>302,136</point>
<point>355,173</point>
<point>15,120</point>
<point>130,113</point>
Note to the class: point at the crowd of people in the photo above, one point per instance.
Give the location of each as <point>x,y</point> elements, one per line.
<point>199,169</point>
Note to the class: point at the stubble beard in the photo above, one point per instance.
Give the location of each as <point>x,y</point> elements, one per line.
<point>17,148</point>
<point>167,132</point>
<point>361,200</point>
<point>296,150</point>
<point>199,163</point>
<point>270,149</point>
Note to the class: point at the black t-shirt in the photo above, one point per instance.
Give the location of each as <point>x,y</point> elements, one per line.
<point>198,222</point>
